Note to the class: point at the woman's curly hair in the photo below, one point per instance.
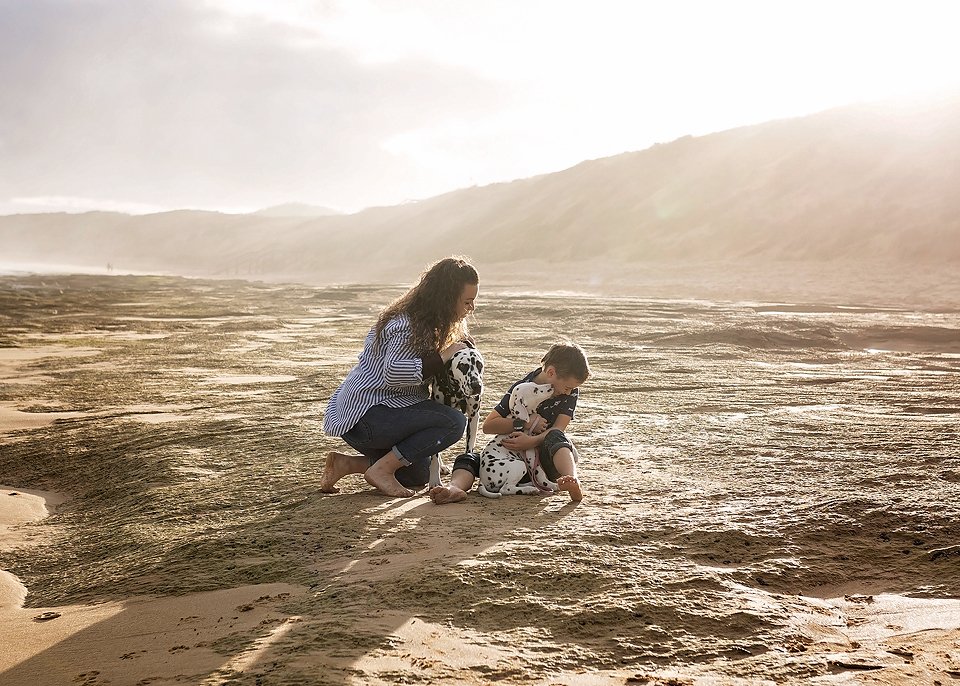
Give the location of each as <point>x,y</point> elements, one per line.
<point>432,304</point>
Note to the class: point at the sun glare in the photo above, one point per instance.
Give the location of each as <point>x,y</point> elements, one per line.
<point>549,84</point>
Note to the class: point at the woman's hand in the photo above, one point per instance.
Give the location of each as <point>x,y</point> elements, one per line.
<point>451,350</point>
<point>520,441</point>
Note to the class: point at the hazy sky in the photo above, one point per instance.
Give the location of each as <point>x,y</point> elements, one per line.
<point>146,105</point>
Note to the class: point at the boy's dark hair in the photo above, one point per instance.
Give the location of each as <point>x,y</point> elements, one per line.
<point>568,359</point>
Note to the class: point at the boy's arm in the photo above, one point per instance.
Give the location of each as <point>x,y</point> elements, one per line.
<point>496,423</point>
<point>525,442</point>
<point>561,422</point>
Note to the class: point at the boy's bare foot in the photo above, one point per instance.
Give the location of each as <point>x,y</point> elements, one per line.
<point>338,466</point>
<point>572,486</point>
<point>386,482</point>
<point>446,494</point>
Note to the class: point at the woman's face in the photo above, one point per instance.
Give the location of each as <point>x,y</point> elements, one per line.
<point>467,301</point>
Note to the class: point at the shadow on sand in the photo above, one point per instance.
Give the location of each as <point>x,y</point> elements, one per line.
<point>380,576</point>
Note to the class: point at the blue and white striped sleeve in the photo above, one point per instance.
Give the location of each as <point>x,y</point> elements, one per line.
<point>402,366</point>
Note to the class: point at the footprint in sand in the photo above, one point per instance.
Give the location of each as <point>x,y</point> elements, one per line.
<point>131,656</point>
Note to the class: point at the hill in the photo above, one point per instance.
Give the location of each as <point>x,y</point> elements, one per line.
<point>296,209</point>
<point>855,184</point>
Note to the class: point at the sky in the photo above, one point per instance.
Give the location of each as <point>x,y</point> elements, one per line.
<point>233,105</point>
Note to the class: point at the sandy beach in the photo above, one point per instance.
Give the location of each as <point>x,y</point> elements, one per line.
<point>772,495</point>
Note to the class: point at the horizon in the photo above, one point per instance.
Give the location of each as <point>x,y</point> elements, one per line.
<point>357,105</point>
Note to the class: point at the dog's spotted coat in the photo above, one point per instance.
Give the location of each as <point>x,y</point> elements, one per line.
<point>460,386</point>
<point>501,469</point>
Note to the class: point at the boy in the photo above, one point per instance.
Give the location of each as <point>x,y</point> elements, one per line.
<point>564,367</point>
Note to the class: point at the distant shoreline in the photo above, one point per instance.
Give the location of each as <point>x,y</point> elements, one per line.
<point>868,283</point>
<point>13,268</point>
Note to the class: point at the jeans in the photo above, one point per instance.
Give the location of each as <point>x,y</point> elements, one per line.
<point>552,442</point>
<point>413,433</point>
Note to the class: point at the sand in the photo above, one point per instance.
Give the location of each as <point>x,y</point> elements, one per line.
<point>770,497</point>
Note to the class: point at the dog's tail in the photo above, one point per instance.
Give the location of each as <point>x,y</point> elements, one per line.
<point>481,489</point>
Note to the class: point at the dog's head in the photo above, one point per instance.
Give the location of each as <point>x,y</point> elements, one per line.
<point>465,372</point>
<point>526,397</point>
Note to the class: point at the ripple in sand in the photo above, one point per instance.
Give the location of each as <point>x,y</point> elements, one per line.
<point>247,379</point>
<point>18,355</point>
<point>12,419</point>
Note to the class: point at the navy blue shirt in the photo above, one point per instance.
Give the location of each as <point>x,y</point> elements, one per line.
<point>549,409</point>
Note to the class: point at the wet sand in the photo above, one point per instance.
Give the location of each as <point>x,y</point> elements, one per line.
<point>772,494</point>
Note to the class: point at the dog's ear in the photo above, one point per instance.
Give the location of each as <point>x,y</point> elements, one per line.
<point>444,382</point>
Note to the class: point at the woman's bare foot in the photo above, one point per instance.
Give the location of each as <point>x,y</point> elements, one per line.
<point>338,466</point>
<point>447,494</point>
<point>385,481</point>
<point>571,485</point>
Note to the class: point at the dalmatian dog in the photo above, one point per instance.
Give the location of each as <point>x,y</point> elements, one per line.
<point>460,385</point>
<point>501,469</point>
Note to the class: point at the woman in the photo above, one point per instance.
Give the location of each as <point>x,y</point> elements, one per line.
<point>383,409</point>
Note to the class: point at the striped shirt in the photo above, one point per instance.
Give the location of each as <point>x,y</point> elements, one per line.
<point>389,372</point>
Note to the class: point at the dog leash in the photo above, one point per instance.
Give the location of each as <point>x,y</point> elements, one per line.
<point>532,471</point>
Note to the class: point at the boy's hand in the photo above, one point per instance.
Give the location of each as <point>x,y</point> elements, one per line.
<point>520,441</point>
<point>537,424</point>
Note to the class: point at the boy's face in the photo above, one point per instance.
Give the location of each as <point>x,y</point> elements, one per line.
<point>562,385</point>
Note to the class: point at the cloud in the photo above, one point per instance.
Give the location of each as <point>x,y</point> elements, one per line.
<point>239,104</point>
<point>173,104</point>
